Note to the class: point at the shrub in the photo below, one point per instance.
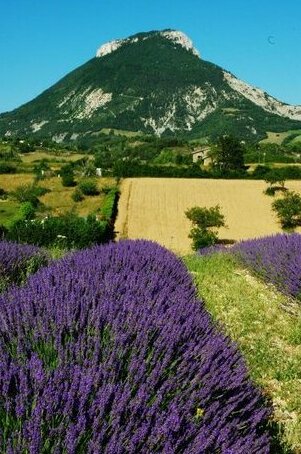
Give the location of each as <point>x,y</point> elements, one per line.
<point>29,193</point>
<point>202,238</point>
<point>40,169</point>
<point>77,195</point>
<point>288,209</point>
<point>275,177</point>
<point>5,167</point>
<point>270,191</point>
<point>26,211</point>
<point>285,173</point>
<point>88,187</point>
<point>68,180</point>
<point>122,358</point>
<point>109,205</point>
<point>68,231</point>
<point>205,221</point>
<point>276,181</point>
<point>108,189</point>
<point>3,193</point>
<point>260,172</point>
<point>126,169</point>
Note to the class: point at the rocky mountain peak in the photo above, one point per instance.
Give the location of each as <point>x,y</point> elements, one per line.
<point>175,36</point>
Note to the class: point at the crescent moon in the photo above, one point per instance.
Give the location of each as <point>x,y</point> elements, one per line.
<point>271,39</point>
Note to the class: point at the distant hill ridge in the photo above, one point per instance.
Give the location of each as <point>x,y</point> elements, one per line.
<point>155,83</point>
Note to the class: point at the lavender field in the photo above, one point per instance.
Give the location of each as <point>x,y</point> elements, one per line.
<point>109,350</point>
<point>275,258</point>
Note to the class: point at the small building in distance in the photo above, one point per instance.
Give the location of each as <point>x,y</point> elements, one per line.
<point>201,154</point>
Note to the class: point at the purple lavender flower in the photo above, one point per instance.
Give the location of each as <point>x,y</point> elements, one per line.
<point>276,258</point>
<point>109,350</point>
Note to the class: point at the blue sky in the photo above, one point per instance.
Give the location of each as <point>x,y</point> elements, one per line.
<point>42,40</point>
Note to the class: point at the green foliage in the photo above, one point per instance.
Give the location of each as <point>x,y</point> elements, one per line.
<point>202,238</point>
<point>276,182</point>
<point>205,218</point>
<point>271,190</point>
<point>77,195</point>
<point>40,168</point>
<point>3,194</point>
<point>26,211</point>
<point>67,231</point>
<point>67,174</point>
<point>266,153</point>
<point>25,147</point>
<point>6,167</point>
<point>67,169</point>
<point>29,193</point>
<point>88,187</point>
<point>89,169</point>
<point>276,174</point>
<point>292,141</point>
<point>169,156</point>
<point>275,177</point>
<point>205,221</point>
<point>288,210</point>
<point>107,211</point>
<point>229,154</point>
<point>68,180</point>
<point>107,189</point>
<point>125,169</point>
<point>260,172</point>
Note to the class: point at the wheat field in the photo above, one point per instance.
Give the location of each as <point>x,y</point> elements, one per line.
<point>154,208</point>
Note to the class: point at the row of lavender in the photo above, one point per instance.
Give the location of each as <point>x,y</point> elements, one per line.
<point>17,261</point>
<point>109,351</point>
<point>276,258</point>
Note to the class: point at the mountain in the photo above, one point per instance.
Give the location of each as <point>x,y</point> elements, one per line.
<point>155,83</point>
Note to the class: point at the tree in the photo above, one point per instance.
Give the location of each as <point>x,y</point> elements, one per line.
<point>205,221</point>
<point>276,181</point>
<point>40,168</point>
<point>229,154</point>
<point>67,174</point>
<point>288,210</point>
<point>88,187</point>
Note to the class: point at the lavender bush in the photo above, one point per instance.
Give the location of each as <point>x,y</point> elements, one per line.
<point>276,258</point>
<point>17,260</point>
<point>109,351</point>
